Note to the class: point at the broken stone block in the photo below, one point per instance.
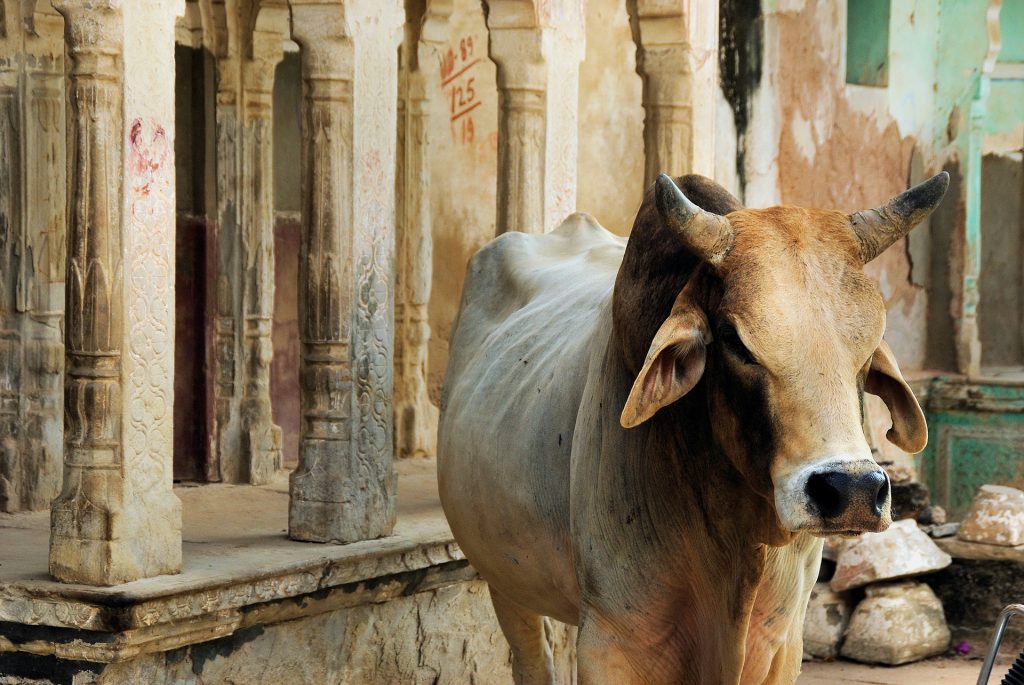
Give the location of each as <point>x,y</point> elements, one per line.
<point>895,624</point>
<point>996,517</point>
<point>828,614</point>
<point>901,551</point>
<point>945,530</point>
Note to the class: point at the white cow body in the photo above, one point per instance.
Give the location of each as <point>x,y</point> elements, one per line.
<point>534,308</point>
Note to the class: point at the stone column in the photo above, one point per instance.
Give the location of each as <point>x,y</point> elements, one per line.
<point>344,487</point>
<point>677,58</point>
<point>537,50</point>
<point>31,265</point>
<point>415,416</point>
<point>12,251</point>
<point>117,519</point>
<point>260,439</point>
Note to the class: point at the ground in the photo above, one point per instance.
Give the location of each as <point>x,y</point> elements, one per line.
<point>941,671</point>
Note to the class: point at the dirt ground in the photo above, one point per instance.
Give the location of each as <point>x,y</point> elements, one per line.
<point>941,671</point>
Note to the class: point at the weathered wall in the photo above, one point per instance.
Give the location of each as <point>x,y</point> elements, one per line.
<point>611,120</point>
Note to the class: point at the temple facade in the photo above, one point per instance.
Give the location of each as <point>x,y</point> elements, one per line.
<point>233,235</point>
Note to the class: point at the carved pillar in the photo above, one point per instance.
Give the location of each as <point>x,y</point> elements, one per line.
<point>677,58</point>
<point>227,342</point>
<point>260,441</point>
<point>31,265</point>
<point>117,519</point>
<point>415,416</point>
<point>12,252</point>
<point>536,55</point>
<point>344,487</point>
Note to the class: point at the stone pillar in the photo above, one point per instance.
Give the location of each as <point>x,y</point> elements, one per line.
<point>344,487</point>
<point>260,439</point>
<point>415,416</point>
<point>537,50</point>
<point>31,264</point>
<point>117,519</point>
<point>677,58</point>
<point>226,340</point>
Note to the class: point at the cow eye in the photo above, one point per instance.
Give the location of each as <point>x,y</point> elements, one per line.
<point>731,340</point>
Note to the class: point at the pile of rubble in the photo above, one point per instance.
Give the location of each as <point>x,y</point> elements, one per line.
<point>870,604</point>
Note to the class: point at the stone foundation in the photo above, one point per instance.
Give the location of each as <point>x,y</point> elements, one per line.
<point>253,607</point>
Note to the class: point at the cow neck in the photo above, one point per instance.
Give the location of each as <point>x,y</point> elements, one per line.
<point>690,473</point>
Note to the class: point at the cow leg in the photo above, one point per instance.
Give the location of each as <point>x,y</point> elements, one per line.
<point>532,662</point>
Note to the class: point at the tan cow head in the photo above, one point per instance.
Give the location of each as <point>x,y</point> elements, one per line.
<point>789,329</point>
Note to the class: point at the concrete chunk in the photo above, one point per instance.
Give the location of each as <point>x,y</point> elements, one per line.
<point>901,551</point>
<point>895,624</point>
<point>828,614</point>
<point>996,517</point>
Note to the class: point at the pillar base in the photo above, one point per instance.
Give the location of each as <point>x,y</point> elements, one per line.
<point>130,555</point>
<point>365,510</point>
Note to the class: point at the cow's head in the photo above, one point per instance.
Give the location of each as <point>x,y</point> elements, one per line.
<point>786,329</point>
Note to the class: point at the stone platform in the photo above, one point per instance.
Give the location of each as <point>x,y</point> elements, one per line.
<point>252,606</point>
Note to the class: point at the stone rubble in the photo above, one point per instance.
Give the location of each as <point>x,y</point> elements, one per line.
<point>901,551</point>
<point>996,517</point>
<point>895,624</point>
<point>828,614</point>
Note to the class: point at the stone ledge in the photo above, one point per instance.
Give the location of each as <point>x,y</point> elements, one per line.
<point>240,570</point>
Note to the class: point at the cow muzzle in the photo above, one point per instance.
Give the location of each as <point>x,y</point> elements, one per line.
<point>837,496</point>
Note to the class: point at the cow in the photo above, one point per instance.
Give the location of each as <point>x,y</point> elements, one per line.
<point>649,439</point>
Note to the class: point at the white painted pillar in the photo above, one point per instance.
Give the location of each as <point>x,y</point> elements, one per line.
<point>677,58</point>
<point>117,519</point>
<point>538,50</point>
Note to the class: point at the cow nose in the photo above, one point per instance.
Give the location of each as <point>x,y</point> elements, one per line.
<point>833,492</point>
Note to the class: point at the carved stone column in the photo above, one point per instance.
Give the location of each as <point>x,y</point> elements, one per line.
<point>31,261</point>
<point>260,439</point>
<point>117,519</point>
<point>344,487</point>
<point>536,55</point>
<point>12,270</point>
<point>677,58</point>
<point>415,416</point>
<point>226,340</point>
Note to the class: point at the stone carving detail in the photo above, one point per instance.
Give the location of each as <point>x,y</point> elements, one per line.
<point>536,52</point>
<point>116,518</point>
<point>344,487</point>
<point>676,57</point>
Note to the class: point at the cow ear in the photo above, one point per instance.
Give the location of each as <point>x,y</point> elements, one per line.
<point>673,365</point>
<point>909,431</point>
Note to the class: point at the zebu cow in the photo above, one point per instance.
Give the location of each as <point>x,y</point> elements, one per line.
<point>647,438</point>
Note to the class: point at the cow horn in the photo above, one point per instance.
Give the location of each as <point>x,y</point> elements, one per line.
<point>707,235</point>
<point>880,227</point>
